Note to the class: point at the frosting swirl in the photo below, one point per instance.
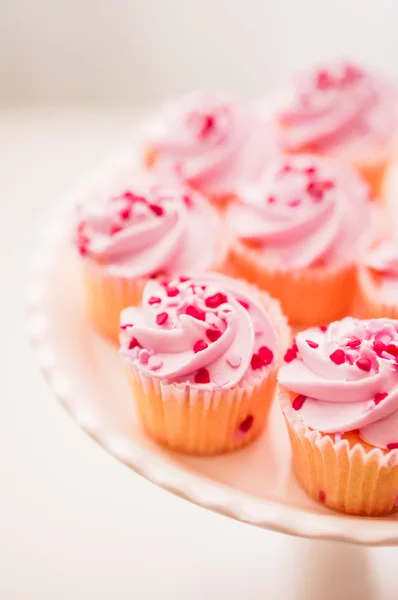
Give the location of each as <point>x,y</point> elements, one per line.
<point>336,106</point>
<point>212,141</point>
<point>149,227</point>
<point>305,210</point>
<point>384,258</point>
<point>346,376</point>
<point>208,331</point>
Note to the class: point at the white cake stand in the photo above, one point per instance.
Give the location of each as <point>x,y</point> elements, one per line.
<point>255,485</point>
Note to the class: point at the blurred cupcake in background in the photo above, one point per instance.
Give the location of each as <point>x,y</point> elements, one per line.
<point>343,111</point>
<point>202,362</point>
<point>212,141</point>
<point>377,294</point>
<point>339,396</point>
<point>140,231</point>
<point>299,232</point>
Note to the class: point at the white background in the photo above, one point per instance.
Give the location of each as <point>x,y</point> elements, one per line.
<point>75,524</point>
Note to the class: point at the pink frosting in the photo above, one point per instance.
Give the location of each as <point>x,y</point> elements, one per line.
<point>305,210</point>
<point>384,260</point>
<point>212,141</point>
<point>347,379</point>
<point>150,227</point>
<point>336,107</point>
<point>209,331</point>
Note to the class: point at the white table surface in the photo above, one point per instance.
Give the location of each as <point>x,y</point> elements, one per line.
<point>76,524</point>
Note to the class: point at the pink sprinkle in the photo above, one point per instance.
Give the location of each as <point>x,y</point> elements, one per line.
<point>125,213</point>
<point>195,312</point>
<point>213,334</point>
<point>291,353</point>
<point>294,202</point>
<point>143,356</point>
<point>157,209</point>
<point>161,318</point>
<point>184,279</point>
<point>114,229</point>
<point>299,401</point>
<point>125,325</point>
<point>215,300</point>
<point>310,170</point>
<point>392,446</point>
<point>379,397</point>
<point>316,190</point>
<point>172,291</point>
<point>271,199</point>
<point>155,363</point>
<point>234,360</point>
<point>245,304</point>
<point>246,424</point>
<point>199,346</point>
<point>364,364</point>
<point>266,354</point>
<point>154,300</point>
<point>312,344</point>
<point>338,357</point>
<point>202,376</point>
<point>187,201</point>
<point>322,496</point>
<point>354,343</point>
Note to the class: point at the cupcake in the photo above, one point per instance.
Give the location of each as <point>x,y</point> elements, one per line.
<point>211,141</point>
<point>137,232</point>
<point>377,293</point>
<point>343,111</point>
<point>202,361</point>
<point>339,396</point>
<point>299,232</point>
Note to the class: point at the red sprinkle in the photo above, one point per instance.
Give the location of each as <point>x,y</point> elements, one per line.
<point>184,279</point>
<point>123,327</point>
<point>158,210</point>
<point>392,446</point>
<point>134,343</point>
<point>215,300</point>
<point>291,353</point>
<point>310,170</point>
<point>172,291</point>
<point>312,344</point>
<point>364,364</point>
<point>161,318</point>
<point>125,213</point>
<point>196,313</point>
<point>202,376</point>
<point>379,397</point>
<point>271,199</point>
<point>379,347</point>
<point>299,401</point>
<point>213,334</point>
<point>187,201</point>
<point>245,304</point>
<point>392,349</point>
<point>207,126</point>
<point>199,346</point>
<point>338,357</point>
<point>354,343</point>
<point>266,354</point>
<point>154,300</point>
<point>114,229</point>
<point>322,496</point>
<point>323,328</point>
<point>246,424</point>
<point>257,362</point>
<point>316,190</point>
<point>294,202</point>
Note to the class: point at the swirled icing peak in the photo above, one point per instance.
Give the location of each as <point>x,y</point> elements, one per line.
<point>208,331</point>
<point>346,378</point>
<point>383,258</point>
<point>336,104</point>
<point>305,210</point>
<point>149,227</point>
<point>212,141</point>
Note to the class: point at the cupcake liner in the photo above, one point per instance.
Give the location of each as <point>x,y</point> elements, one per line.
<point>374,173</point>
<point>341,471</point>
<point>368,303</point>
<point>312,296</point>
<point>108,295</point>
<point>203,422</point>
